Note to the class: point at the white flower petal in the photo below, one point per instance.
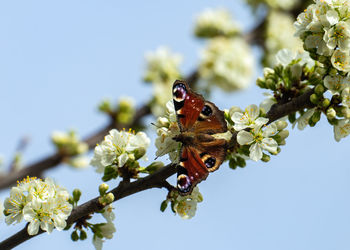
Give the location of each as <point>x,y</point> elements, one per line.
<point>255,152</point>
<point>244,137</point>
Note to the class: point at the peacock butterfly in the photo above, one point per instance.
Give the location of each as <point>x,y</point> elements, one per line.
<point>198,121</point>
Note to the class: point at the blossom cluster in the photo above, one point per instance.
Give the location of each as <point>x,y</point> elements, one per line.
<point>119,149</point>
<point>184,206</point>
<point>254,134</point>
<point>123,112</point>
<point>41,203</point>
<point>105,230</point>
<point>279,35</point>
<point>215,22</point>
<point>69,145</point>
<point>167,129</point>
<point>325,31</point>
<point>162,68</point>
<point>227,63</point>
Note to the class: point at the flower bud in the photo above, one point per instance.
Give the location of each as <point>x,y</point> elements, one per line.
<point>105,106</point>
<point>283,134</point>
<point>138,153</point>
<point>76,195</point>
<point>331,114</point>
<point>314,98</point>
<point>163,205</point>
<point>270,84</point>
<point>316,116</point>
<point>74,236</point>
<point>319,89</point>
<point>322,59</point>
<point>281,125</point>
<point>326,102</point>
<point>291,117</point>
<point>109,198</point>
<point>154,166</point>
<point>103,188</point>
<point>83,235</point>
<point>265,158</point>
<point>241,162</point>
<point>261,82</point>
<point>333,72</point>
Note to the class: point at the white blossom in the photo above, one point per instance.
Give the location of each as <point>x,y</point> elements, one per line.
<point>117,148</point>
<point>106,229</point>
<point>342,129</point>
<point>14,206</point>
<point>186,206</point>
<point>215,22</point>
<point>287,57</point>
<point>303,120</point>
<point>162,65</point>
<point>335,84</point>
<point>227,63</point>
<point>41,203</point>
<point>249,119</point>
<point>258,140</point>
<point>279,35</point>
<point>167,128</point>
<point>345,96</point>
<point>338,35</point>
<point>324,26</point>
<point>162,69</point>
<point>341,60</point>
<point>69,142</point>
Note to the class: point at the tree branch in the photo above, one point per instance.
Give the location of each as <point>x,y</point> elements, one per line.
<point>155,180</point>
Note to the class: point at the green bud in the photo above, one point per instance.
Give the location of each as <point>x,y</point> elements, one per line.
<point>163,205</point>
<point>139,152</point>
<point>311,123</point>
<point>316,116</point>
<point>281,125</point>
<point>282,143</point>
<point>261,82</point>
<point>326,102</point>
<point>76,195</point>
<point>105,106</point>
<point>270,84</point>
<point>322,59</point>
<point>319,89</point>
<point>110,173</point>
<point>278,151</point>
<point>83,235</point>
<point>265,158</point>
<point>321,71</point>
<point>283,134</point>
<point>241,162</point>
<point>109,198</point>
<point>74,236</point>
<point>314,99</point>
<point>154,166</point>
<point>103,188</point>
<point>232,164</point>
<point>331,114</point>
<point>333,72</point>
<point>291,117</point>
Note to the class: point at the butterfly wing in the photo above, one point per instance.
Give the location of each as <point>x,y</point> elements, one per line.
<point>197,162</point>
<point>194,113</point>
<point>188,105</point>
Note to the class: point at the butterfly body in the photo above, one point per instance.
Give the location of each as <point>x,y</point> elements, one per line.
<point>201,152</point>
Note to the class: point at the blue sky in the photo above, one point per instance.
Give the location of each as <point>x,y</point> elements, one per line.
<point>58,59</point>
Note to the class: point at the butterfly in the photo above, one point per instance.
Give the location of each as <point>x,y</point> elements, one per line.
<point>198,120</point>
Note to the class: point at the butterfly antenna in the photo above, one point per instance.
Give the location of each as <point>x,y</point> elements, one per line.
<point>155,125</point>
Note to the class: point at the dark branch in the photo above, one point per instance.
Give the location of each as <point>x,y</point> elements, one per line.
<point>156,180</point>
